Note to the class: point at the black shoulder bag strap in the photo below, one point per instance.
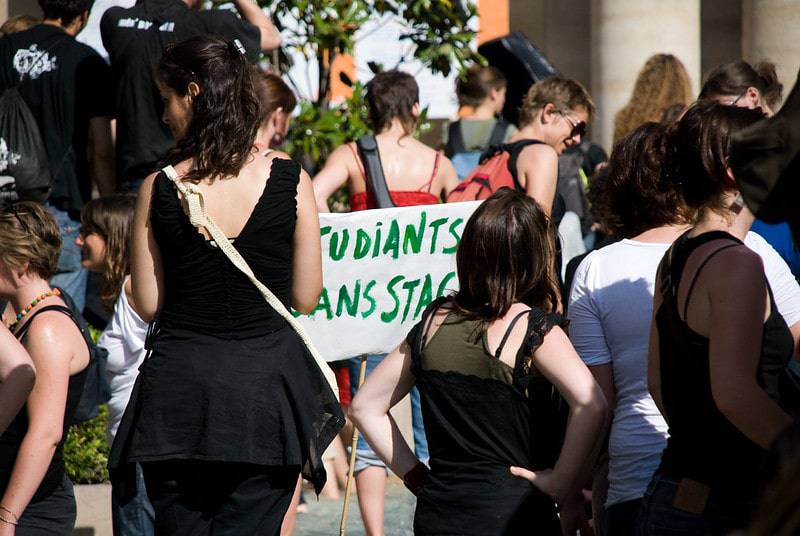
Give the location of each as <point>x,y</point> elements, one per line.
<point>498,134</point>
<point>455,140</point>
<point>376,180</point>
<point>514,149</point>
<point>60,308</point>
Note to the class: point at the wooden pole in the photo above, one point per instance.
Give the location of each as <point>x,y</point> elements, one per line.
<point>362,371</point>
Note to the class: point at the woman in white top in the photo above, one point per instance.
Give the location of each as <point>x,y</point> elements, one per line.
<point>611,304</point>
<point>106,226</point>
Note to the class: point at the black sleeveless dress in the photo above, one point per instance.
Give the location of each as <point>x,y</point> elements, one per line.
<point>481,417</point>
<point>703,444</point>
<point>228,380</point>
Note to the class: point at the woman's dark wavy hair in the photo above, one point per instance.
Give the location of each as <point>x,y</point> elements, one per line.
<point>637,197</point>
<point>390,95</point>
<point>735,77</point>
<point>506,255</point>
<point>226,114</point>
<point>698,151</point>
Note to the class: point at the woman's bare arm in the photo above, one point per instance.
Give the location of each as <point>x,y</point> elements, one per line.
<point>17,376</point>
<point>537,168</point>
<point>332,177</point>
<point>386,386</point>
<point>146,268</point>
<point>307,264</point>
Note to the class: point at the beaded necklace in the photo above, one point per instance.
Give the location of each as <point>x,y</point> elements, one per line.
<point>37,300</point>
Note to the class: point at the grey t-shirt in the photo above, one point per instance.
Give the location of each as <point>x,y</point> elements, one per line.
<point>476,133</point>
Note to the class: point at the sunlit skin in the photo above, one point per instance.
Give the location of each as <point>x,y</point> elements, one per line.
<point>751,98</point>
<point>177,109</point>
<point>93,251</point>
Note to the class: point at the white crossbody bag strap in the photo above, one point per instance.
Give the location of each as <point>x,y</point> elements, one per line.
<point>199,218</point>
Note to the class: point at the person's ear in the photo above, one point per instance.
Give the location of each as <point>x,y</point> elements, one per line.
<point>192,90</point>
<point>415,110</point>
<point>546,115</point>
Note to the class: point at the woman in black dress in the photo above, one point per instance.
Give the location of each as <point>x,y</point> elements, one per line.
<point>718,346</point>
<point>485,361</point>
<point>230,406</point>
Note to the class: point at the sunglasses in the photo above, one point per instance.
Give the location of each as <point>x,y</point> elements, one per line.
<point>578,127</point>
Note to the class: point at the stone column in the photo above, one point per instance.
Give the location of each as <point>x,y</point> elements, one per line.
<point>625,33</point>
<point>771,31</point>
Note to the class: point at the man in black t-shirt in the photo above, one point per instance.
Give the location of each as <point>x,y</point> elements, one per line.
<point>68,88</point>
<point>135,39</point>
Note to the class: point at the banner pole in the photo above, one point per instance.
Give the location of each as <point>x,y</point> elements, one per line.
<point>362,371</point>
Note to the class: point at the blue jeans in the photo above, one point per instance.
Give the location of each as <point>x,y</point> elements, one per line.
<point>722,512</point>
<point>135,517</point>
<point>365,456</point>
<point>70,276</point>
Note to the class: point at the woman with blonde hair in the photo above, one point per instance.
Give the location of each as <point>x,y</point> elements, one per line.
<point>663,82</point>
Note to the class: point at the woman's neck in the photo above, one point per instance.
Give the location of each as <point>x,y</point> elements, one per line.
<point>484,110</point>
<point>666,234</point>
<point>24,295</point>
<point>736,224</point>
<point>394,131</point>
<point>532,131</point>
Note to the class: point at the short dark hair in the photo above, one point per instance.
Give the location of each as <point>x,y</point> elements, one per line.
<point>506,255</point>
<point>635,196</point>
<point>390,95</point>
<point>227,112</point>
<point>476,84</point>
<point>735,77</point>
<point>64,10</point>
<point>699,148</point>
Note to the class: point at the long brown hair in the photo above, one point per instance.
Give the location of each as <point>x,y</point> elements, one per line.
<point>112,219</point>
<point>226,114</point>
<point>506,255</point>
<point>662,82</point>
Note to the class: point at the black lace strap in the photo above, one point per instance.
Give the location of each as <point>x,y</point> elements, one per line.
<point>20,334</point>
<point>507,334</point>
<point>425,324</point>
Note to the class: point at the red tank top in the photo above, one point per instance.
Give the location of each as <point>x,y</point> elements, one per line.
<point>401,198</point>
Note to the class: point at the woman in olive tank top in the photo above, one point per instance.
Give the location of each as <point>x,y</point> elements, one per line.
<point>485,361</point>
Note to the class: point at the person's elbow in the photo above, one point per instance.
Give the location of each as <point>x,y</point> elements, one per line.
<point>305,301</point>
<point>730,397</point>
<point>592,403</point>
<point>22,374</point>
<point>358,410</point>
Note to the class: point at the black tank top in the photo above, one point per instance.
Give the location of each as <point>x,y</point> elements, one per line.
<point>11,439</point>
<point>703,444</point>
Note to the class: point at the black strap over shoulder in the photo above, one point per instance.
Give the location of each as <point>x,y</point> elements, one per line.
<point>425,323</point>
<point>507,334</point>
<point>455,140</point>
<point>514,149</point>
<point>499,130</point>
<point>60,308</point>
<point>376,180</point>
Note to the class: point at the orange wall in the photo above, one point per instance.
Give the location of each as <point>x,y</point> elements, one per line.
<point>493,19</point>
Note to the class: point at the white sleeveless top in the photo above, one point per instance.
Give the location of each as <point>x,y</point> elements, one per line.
<point>123,338</point>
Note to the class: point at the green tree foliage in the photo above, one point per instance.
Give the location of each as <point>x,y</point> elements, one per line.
<point>86,450</point>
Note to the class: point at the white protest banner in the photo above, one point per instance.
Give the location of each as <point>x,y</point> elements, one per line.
<point>381,268</point>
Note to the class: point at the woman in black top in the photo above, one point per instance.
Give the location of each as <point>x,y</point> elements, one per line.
<point>718,347</point>
<point>484,360</point>
<point>37,496</point>
<point>230,406</point>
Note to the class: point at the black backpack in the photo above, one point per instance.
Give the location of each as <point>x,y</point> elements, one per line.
<point>24,168</point>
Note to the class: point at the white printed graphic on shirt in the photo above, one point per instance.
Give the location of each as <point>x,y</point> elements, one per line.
<point>142,24</point>
<point>7,156</point>
<point>32,62</point>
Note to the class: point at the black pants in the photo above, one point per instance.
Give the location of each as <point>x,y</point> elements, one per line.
<point>217,499</point>
<point>621,518</point>
<point>53,515</point>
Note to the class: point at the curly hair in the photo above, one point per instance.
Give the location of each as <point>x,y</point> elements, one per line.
<point>662,82</point>
<point>735,77</point>
<point>112,219</point>
<point>29,237</point>
<point>506,255</point>
<point>635,195</point>
<point>226,114</point>
<point>564,94</point>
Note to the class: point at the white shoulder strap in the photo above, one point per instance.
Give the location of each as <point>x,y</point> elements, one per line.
<point>199,218</point>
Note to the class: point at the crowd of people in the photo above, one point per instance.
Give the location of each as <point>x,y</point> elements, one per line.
<point>619,357</point>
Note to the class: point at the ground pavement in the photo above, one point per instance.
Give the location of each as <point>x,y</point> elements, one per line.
<point>322,518</point>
